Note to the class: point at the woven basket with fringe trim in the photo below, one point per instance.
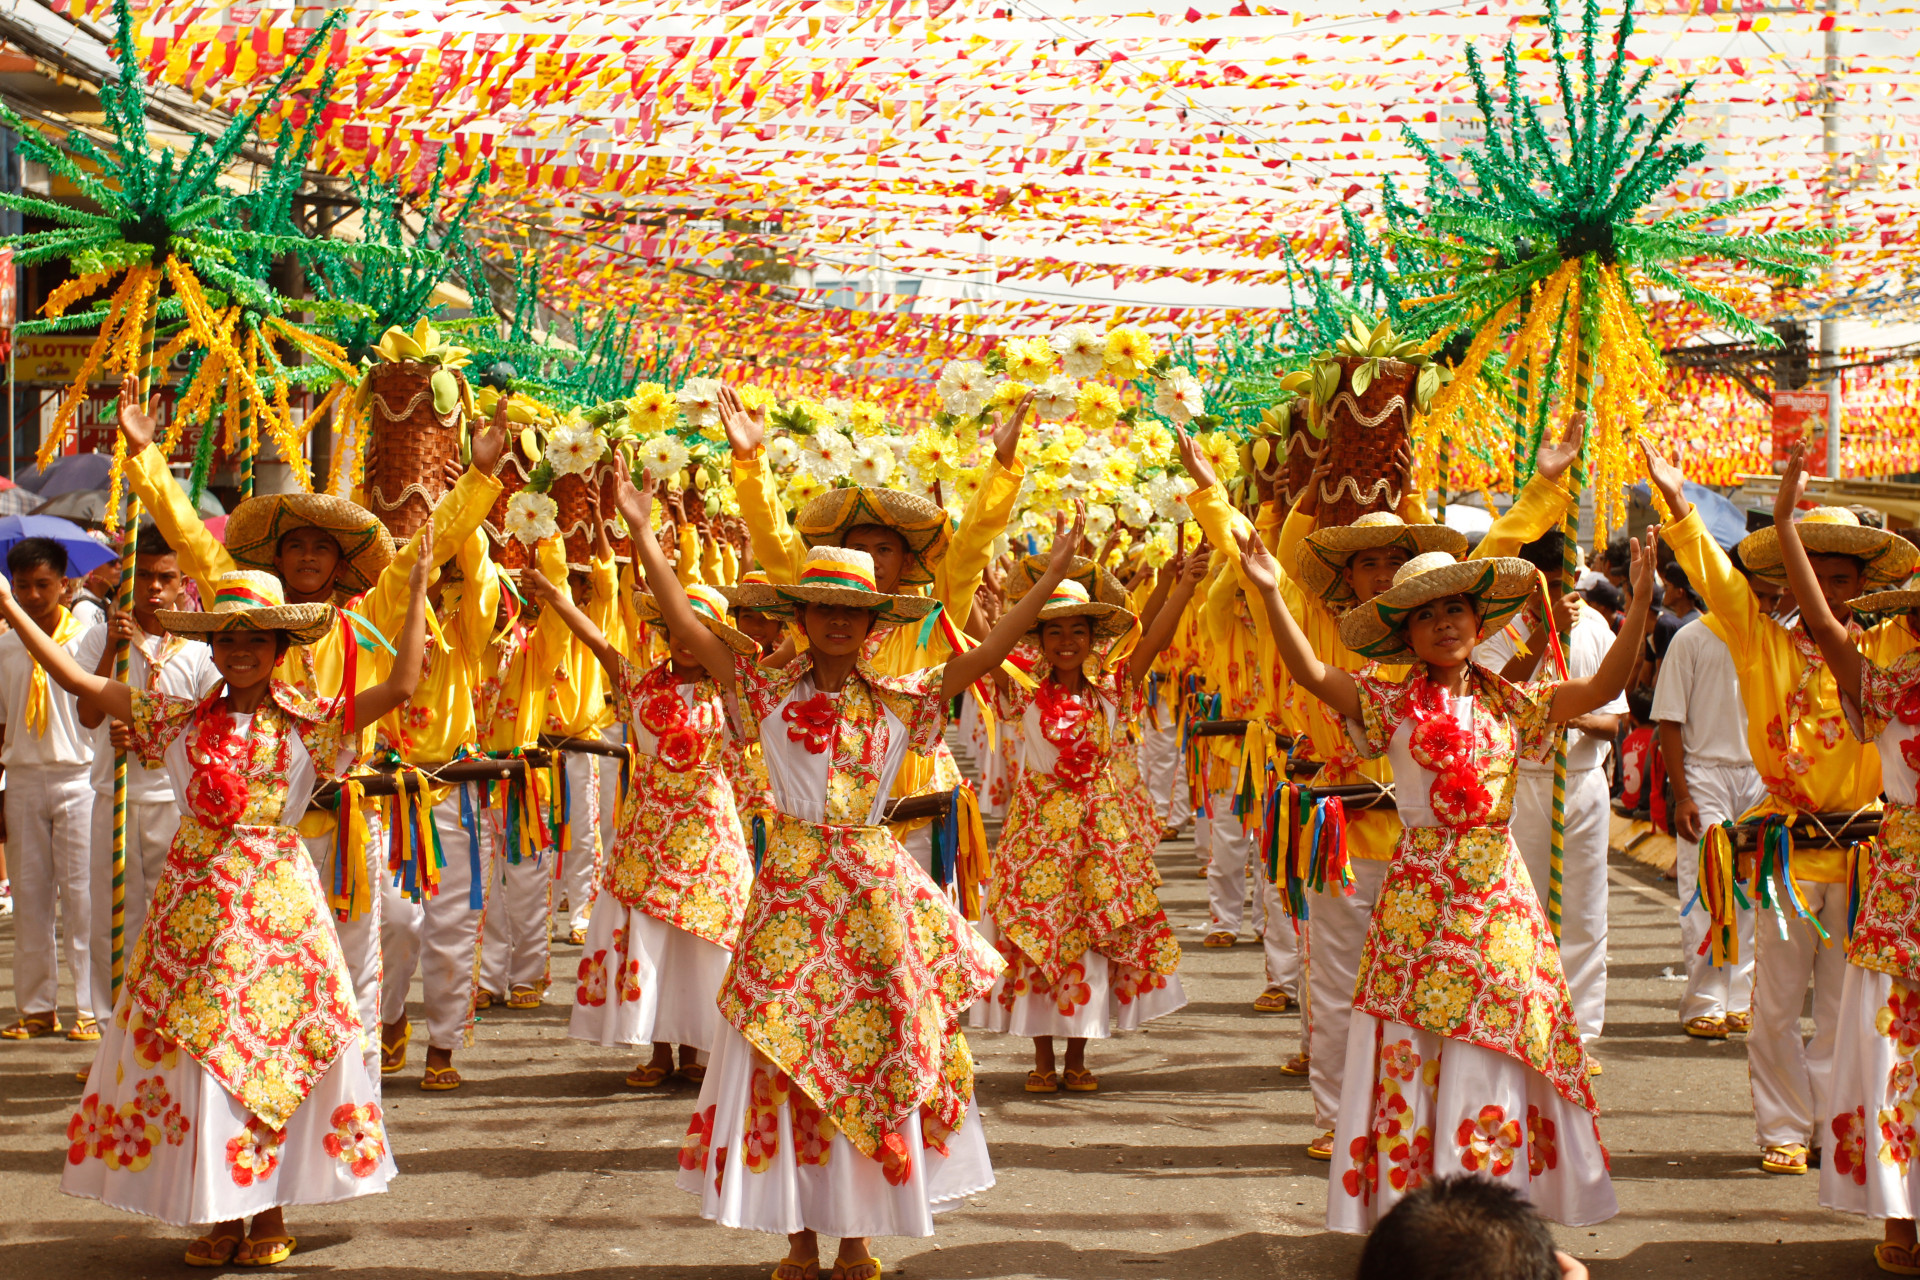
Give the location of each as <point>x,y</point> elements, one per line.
<point>408,446</point>
<point>508,552</point>
<point>1363,433</point>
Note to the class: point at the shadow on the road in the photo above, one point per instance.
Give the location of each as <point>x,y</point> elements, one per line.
<point>1744,1259</point>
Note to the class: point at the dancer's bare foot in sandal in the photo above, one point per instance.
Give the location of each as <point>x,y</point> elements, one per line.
<point>267,1242</point>
<point>649,1074</point>
<point>217,1247</point>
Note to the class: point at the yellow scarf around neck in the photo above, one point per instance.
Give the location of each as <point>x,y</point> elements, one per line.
<point>38,699</point>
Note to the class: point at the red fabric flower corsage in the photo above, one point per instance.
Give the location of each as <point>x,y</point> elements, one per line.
<point>678,748</point>
<point>1460,800</point>
<point>811,723</point>
<point>1079,760</point>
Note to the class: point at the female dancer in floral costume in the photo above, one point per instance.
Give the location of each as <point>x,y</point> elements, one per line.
<point>1873,1102</point>
<point>675,881</point>
<point>840,1099</point>
<point>231,1082</point>
<point>1072,906</point>
<point>1463,1054</point>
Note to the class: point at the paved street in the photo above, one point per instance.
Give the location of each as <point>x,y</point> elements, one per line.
<point>1188,1165</point>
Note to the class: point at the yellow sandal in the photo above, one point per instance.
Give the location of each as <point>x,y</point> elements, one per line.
<point>791,1270</point>
<point>865,1269</point>
<point>1272,1000</point>
<point>32,1027</point>
<point>281,1249</point>
<point>1897,1259</point>
<point>1220,939</point>
<point>1298,1065</point>
<point>1080,1080</point>
<point>647,1076</point>
<point>219,1251</point>
<point>1043,1082</point>
<point>440,1080</point>
<point>1706,1028</point>
<point>1321,1148</point>
<point>389,1063</point>
<point>1787,1158</point>
<point>85,1031</point>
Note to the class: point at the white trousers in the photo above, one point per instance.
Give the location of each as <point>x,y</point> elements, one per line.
<point>439,936</point>
<point>1231,846</point>
<point>1723,792</point>
<point>1583,890</point>
<point>150,828</point>
<point>1789,1075</point>
<point>49,839</point>
<point>517,947</point>
<point>1338,934</point>
<point>1160,766</point>
<point>360,937</point>
<point>593,797</point>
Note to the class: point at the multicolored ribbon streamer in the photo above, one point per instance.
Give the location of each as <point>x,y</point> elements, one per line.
<point>351,894</point>
<point>1773,866</point>
<point>1717,891</point>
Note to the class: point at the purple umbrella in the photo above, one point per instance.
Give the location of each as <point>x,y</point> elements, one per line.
<point>76,473</point>
<point>84,555</point>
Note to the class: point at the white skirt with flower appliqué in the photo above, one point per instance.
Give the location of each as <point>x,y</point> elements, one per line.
<point>1415,1106</point>
<point>642,981</point>
<point>156,1134</point>
<point>760,1155</point>
<point>1093,999</point>
<point>1871,1166</point>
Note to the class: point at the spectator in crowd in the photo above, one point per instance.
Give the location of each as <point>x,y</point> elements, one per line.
<point>1464,1227</point>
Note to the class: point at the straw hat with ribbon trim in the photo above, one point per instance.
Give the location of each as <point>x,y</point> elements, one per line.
<point>1096,581</point>
<point>1069,600</point>
<point>826,520</point>
<point>1886,558</point>
<point>256,526</point>
<point>250,600</point>
<point>754,591</point>
<point>1886,603</point>
<point>1324,555</point>
<point>710,606</point>
<point>1499,586</point>
<point>841,575</point>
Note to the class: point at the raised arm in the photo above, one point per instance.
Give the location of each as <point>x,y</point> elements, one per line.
<point>964,668</point>
<point>1325,682</point>
<point>1186,575</point>
<point>1736,614</point>
<point>712,652</point>
<point>778,548</point>
<point>108,696</point>
<point>1576,697</point>
<point>550,596</point>
<point>971,548</point>
<point>201,556</point>
<point>1836,646</point>
<point>1542,504</point>
<point>410,648</point>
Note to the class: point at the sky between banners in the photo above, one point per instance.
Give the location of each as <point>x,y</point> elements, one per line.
<point>1087,162</point>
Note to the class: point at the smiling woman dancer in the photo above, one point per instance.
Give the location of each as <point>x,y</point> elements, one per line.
<point>1463,1054</point>
<point>840,1098</point>
<point>1072,907</point>
<point>227,1085</point>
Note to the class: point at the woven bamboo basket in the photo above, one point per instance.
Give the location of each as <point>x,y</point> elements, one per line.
<point>508,552</point>
<point>1301,453</point>
<point>408,446</point>
<point>578,498</point>
<point>1363,434</point>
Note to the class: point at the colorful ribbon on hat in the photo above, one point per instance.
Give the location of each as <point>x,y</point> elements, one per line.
<point>837,573</point>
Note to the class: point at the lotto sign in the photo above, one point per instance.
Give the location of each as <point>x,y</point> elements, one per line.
<point>1801,415</point>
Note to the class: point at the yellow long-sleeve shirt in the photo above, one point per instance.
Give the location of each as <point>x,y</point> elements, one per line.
<point>1795,728</point>
<point>1372,833</point>
<point>577,706</point>
<point>899,651</point>
<point>520,668</point>
<point>440,718</point>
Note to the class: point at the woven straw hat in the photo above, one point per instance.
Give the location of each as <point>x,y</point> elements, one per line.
<point>1886,603</point>
<point>1069,600</point>
<point>1098,582</point>
<point>250,600</point>
<point>1319,563</point>
<point>826,520</point>
<point>710,606</point>
<point>1887,558</point>
<point>754,591</point>
<point>841,575</point>
<point>256,526</point>
<point>1500,587</point>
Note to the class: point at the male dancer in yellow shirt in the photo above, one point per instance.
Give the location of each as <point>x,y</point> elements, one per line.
<point>1809,763</point>
<point>324,550</point>
<point>1332,570</point>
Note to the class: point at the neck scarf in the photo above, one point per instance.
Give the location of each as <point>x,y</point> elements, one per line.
<point>39,701</point>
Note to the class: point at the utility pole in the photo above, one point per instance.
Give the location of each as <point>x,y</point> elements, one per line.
<point>1830,325</point>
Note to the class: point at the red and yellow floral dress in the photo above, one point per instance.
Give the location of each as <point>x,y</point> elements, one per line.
<point>230,1079</point>
<point>674,889</point>
<point>1873,1123</point>
<point>1072,907</point>
<point>840,1096</point>
<point>1463,1055</point>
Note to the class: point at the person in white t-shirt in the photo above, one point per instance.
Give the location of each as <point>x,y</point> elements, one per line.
<point>47,755</point>
<point>1584,638</point>
<point>157,663</point>
<point>1703,737</point>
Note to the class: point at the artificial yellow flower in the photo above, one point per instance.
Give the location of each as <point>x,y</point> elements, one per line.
<point>866,419</point>
<point>966,484</point>
<point>802,489</point>
<point>1056,456</point>
<point>1046,493</point>
<point>966,437</point>
<point>1073,437</point>
<point>1152,444</point>
<point>1222,451</point>
<point>1029,360</point>
<point>934,455</point>
<point>1007,395</point>
<point>1117,471</point>
<point>757,397</point>
<point>1099,406</point>
<point>651,409</point>
<point>1129,351</point>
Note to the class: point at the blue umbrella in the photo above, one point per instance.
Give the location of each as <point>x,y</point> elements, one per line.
<point>84,555</point>
<point>1726,523</point>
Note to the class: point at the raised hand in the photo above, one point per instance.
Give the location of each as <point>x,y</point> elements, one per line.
<point>1006,436</point>
<point>1793,485</point>
<point>1195,461</point>
<point>1554,460</point>
<point>451,472</point>
<point>1067,545</point>
<point>535,585</point>
<point>138,426</point>
<point>490,445</point>
<point>1257,564</point>
<point>1664,473</point>
<point>423,564</point>
<point>1644,570</point>
<point>745,428</point>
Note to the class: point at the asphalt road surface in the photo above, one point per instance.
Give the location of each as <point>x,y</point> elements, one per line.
<point>1188,1165</point>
